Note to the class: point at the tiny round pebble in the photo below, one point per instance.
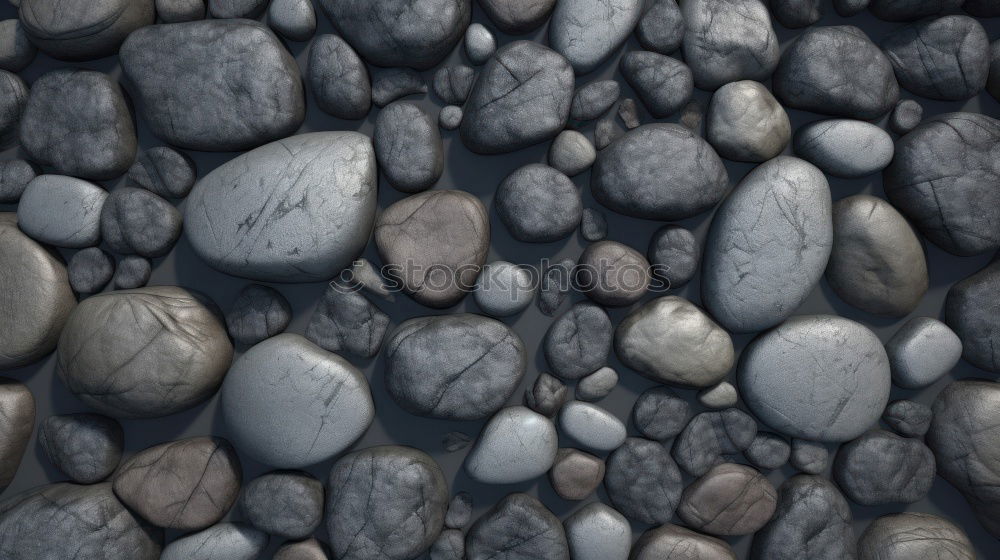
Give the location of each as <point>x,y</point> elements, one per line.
<point>450,117</point>
<point>905,116</point>
<point>768,451</point>
<point>90,270</point>
<point>480,44</point>
<point>722,395</point>
<point>809,457</point>
<point>504,289</point>
<point>597,385</point>
<point>674,253</point>
<point>132,272</point>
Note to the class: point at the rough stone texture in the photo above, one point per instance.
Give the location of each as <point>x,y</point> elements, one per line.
<point>225,541</point>
<point>459,367</point>
<point>972,310</point>
<point>794,14</point>
<point>844,147</point>
<point>577,343</point>
<point>908,418</point>
<point>945,58</point>
<point>516,445</point>
<point>809,457</point>
<point>661,27</point>
<point>519,526</point>
<point>547,395</point>
<point>187,484</point>
<point>768,245</point>
<point>16,49</point>
<point>346,321</point>
<point>950,153</point>
<point>883,468</point>
<point>504,289</point>
<point>709,436</point>
<point>906,115</point>
<point>85,447</point>
<point>993,80</point>
<point>606,131</point>
<point>309,549</point>
<point>672,341</point>
<point>66,520</point>
<point>575,474</point>
<point>459,511</point>
<point>296,210</point>
<point>848,8</point>
<point>480,44</point>
<point>177,11</point>
<point>293,19</point>
<point>612,274</point>
<point>125,354</point>
<point>259,312</point>
<point>17,420</point>
<point>338,78</point>
<point>643,482</point>
<point>450,545</point>
<point>522,97</point>
<point>538,204</point>
<point>15,175</point>
<point>660,414</point>
<point>250,9</point>
<point>390,84</point>
<point>593,225</point>
<point>90,270</point>
<point>723,395</point>
<point>746,123</point>
<point>12,107</point>
<point>62,211</point>
<point>768,451</point>
<point>594,99</point>
<point>435,244</point>
<point>922,351</point>
<point>289,404</point>
<point>674,254</point>
<point>412,497</point>
<point>728,40</point>
<point>408,147</point>
<point>587,32</point>
<point>914,536</point>
<point>598,532</point>
<point>214,85</point>
<point>628,112</point>
<point>136,221</point>
<point>812,521</point>
<point>591,426</point>
<point>450,117</point>
<point>571,153</point>
<point>132,272</point>
<point>287,504</point>
<point>453,83</point>
<point>517,17</point>
<point>164,171</point>
<point>728,500</point>
<point>81,29</point>
<point>597,385</point>
<point>905,10</point>
<point>556,283</point>
<point>836,70</point>
<point>672,542</point>
<point>664,84</point>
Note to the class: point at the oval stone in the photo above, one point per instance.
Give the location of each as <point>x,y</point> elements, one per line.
<point>83,29</point>
<point>339,78</point>
<point>227,541</point>
<point>408,147</point>
<point>586,32</point>
<point>673,542</point>
<point>728,500</point>
<point>516,445</point>
<point>910,535</point>
<point>844,147</point>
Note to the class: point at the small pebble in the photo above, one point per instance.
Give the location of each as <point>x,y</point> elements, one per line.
<point>572,153</point>
<point>136,221</point>
<point>905,116</point>
<point>594,99</point>
<point>591,426</point>
<point>547,395</point>
<point>229,541</point>
<point>164,171</point>
<point>178,11</point>
<point>480,44</point>
<point>346,321</point>
<point>62,211</point>
<point>90,270</point>
<point>557,281</point>
<point>293,19</point>
<point>516,445</point>
<point>606,131</point>
<point>709,436</point>
<point>309,549</point>
<point>16,49</point>
<point>643,482</point>
<point>363,274</point>
<point>453,83</point>
<point>612,274</point>
<point>881,468</point>
<point>390,84</point>
<point>450,545</point>
<point>259,312</point>
<point>459,511</point>
<point>15,175</point>
<point>575,474</point>
<point>795,14</point>
<point>577,343</point>
<point>286,504</point>
<point>922,351</point>
<point>768,451</point>
<point>132,272</point>
<point>722,395</point>
<point>504,289</point>
<point>85,447</point>
<point>660,414</point>
<point>746,123</point>
<point>628,112</point>
<point>663,83</point>
<point>408,147</point>
<point>450,117</point>
<point>809,457</point>
<point>692,115</point>
<point>908,418</point>
<point>538,204</point>
<point>597,385</point>
<point>593,226</point>
<point>729,500</point>
<point>661,27</point>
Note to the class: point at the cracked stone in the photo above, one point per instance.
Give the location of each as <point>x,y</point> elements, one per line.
<point>15,176</point>
<point>17,420</point>
<point>674,254</point>
<point>81,29</point>
<point>136,221</point>
<point>516,445</point>
<point>575,474</point>
<point>132,272</point>
<point>571,153</point>
<point>178,11</point>
<point>709,436</point>
<point>577,343</point>
<point>225,541</point>
<point>62,211</point>
<point>259,312</point>
<point>504,289</point>
<point>728,40</point>
<point>882,468</point>
<point>746,123</point>
<point>390,84</point>
<point>809,457</point>
<point>971,309</point>
<point>286,504</point>
<point>346,321</point>
<point>338,78</point>
<point>914,536</point>
<point>812,520</point>
<point>587,32</point>
<point>908,418</point>
<point>661,27</point>
<point>906,115</point>
<point>164,171</point>
<point>518,526</point>
<point>16,49</point>
<point>660,414</point>
<point>643,482</point>
<point>768,451</point>
<point>664,84</point>
<point>594,99</point>
<point>293,19</point>
<point>591,426</point>
<point>453,83</point>
<point>597,385</point>
<point>922,351</point>
<point>459,511</point>
<point>612,274</point>
<point>672,542</point>
<point>538,204</point>
<point>90,270</point>
<point>598,532</point>
<point>547,395</point>
<point>945,58</point>
<point>85,447</point>
<point>408,147</point>
<point>728,500</point>
<point>844,147</point>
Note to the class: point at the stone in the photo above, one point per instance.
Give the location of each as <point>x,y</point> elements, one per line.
<point>660,414</point>
<point>346,321</point>
<point>292,19</point>
<point>913,535</point>
<point>390,84</point>
<point>768,451</point>
<point>450,117</point>
<point>746,123</point>
<point>178,11</point>
<point>459,511</point>
<point>664,84</point>
<point>309,549</point>
<point>547,395</point>
<point>412,497</point>
<point>908,418</point>
<point>671,340</point>
<point>964,437</point>
<point>848,8</point>
<point>905,10</point>
<point>612,274</point>
<point>450,545</point>
<point>727,41</point>
<point>225,541</point>
<point>296,210</point>
<point>434,244</point>
<point>216,85</point>
<point>672,542</point>
<point>82,30</point>
<point>90,270</point>
<point>768,245</point>
<point>844,147</point>
<point>136,221</point>
<point>629,174</point>
<point>15,175</point>
<point>338,78</point>
<point>164,171</point>
<point>628,112</point>
<point>795,14</point>
<point>85,447</point>
<point>16,49</point>
<point>606,131</point>
<point>728,500</point>
<point>971,311</point>
<point>516,445</point>
<point>661,27</point>
<point>692,116</point>
<point>809,457</point>
<point>188,484</point>
<point>94,140</point>
<point>643,482</point>
<point>593,225</point>
<point>597,385</point>
<point>709,436</point>
<point>556,283</point>
<point>882,468</point>
<point>576,474</point>
<point>812,520</point>
<point>591,426</point>
<point>519,526</point>
<point>538,204</point>
<point>223,9</point>
<point>259,312</point>
<point>120,352</point>
<point>906,115</point>
<point>950,153</point>
<point>17,420</point>
<point>577,343</point>
<point>522,97</point>
<point>66,520</point>
<point>922,351</point>
<point>458,367</point>
<point>504,289</point>
<point>12,107</point>
<point>587,32</point>
<point>836,70</point>
<point>598,532</point>
<point>594,99</point>
<point>62,211</point>
<point>993,80</point>
<point>286,504</point>
<point>517,17</point>
<point>456,441</point>
<point>571,153</point>
<point>722,395</point>
<point>480,44</point>
<point>37,298</point>
<point>453,83</point>
<point>362,273</point>
<point>132,272</point>
<point>674,254</point>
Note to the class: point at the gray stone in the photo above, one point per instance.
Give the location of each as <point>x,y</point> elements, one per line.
<point>664,84</point>
<point>164,171</point>
<point>296,210</point>
<point>516,445</point>
<point>577,343</point>
<point>722,395</point>
<point>547,395</point>
<point>768,245</point>
<point>66,520</point>
<point>812,521</point>
<point>408,147</point>
<point>214,85</point>
<point>575,474</point>
<point>993,80</point>
<point>85,447</point>
<point>309,549</point>
<point>82,30</point>
<point>15,175</point>
<point>412,497</point>
<point>259,312</point>
<point>504,289</point>
<point>518,17</point>
<point>571,153</point>
<point>905,10</point>
<point>671,340</point>
<point>922,351</point>
<point>674,254</point>
<point>612,274</point>
<point>598,532</point>
<point>132,272</point>
<point>434,245</point>
<point>593,225</point>
<point>587,32</point>
<point>728,500</point>
<point>629,175</point>
<point>914,536</point>
<point>794,14</point>
<point>768,451</point>
<point>844,147</point>
<point>338,78</point>
<point>519,526</point>
<point>16,49</point>
<point>455,441</point>
<point>17,420</point>
<point>459,511</point>
<point>363,274</point>
<point>390,84</point>
<point>480,44</point>
<point>450,545</point>
<point>606,131</point>
<point>882,468</point>
<point>37,298</point>
<point>746,123</point>
<point>594,99</point>
<point>672,542</point>
<point>709,436</point>
<point>661,27</point>
<point>538,204</point>
<point>953,154</point>
<point>692,115</point>
<point>292,19</point>
<point>136,221</point>
<point>250,9</point>
<point>286,504</point>
<point>728,40</point>
<point>597,385</point>
<point>643,481</point>
<point>522,97</point>
<point>628,111</point>
<point>450,117</point>
<point>848,8</point>
<point>971,310</point>
<point>660,414</point>
<point>459,367</point>
<point>187,484</point>
<point>346,321</point>
<point>556,283</point>
<point>453,83</point>
<point>591,426</point>
<point>122,355</point>
<point>906,115</point>
<point>177,11</point>
<point>62,211</point>
<point>12,106</point>
<point>908,418</point>
<point>225,541</point>
<point>836,70</point>
<point>809,457</point>
<point>90,270</point>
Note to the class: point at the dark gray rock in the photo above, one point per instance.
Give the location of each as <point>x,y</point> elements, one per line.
<point>664,84</point>
<point>848,8</point>
<point>594,99</point>
<point>660,414</point>
<point>390,84</point>
<point>309,549</point>
<point>453,83</point>
<point>587,32</point>
<point>661,27</point>
<point>136,221</point>
<point>945,58</point>
<point>593,226</point>
<point>844,147</point>
<point>882,468</point>
<point>598,532</point>
<point>83,30</point>
<point>547,395</point>
<point>522,97</point>
<point>643,481</point>
<point>450,545</point>
<point>692,115</point>
<point>459,511</point>
<point>455,441</point>
<point>177,11</point>
<point>287,504</point>
<point>12,106</point>
<point>516,445</point>
<point>250,9</point>
<point>15,175</point>
<point>460,366</point>
<point>908,418</point>
<point>768,245</point>
<point>408,147</point>
<point>296,210</point>
<point>292,19</point>
<point>346,321</point>
<point>591,426</point>
<point>17,420</point>
<point>577,343</point>
<point>85,447</point>
<point>728,500</point>
<point>259,312</point>
<point>66,520</point>
<point>950,153</point>
<point>674,254</point>
<point>187,484</point>
<point>504,289</point>
<point>575,474</point>
<point>518,526</point>
<point>62,211</point>
<point>571,153</point>
<point>538,204</point>
<point>836,70</point>
<point>214,85</point>
<point>709,436</point>
<point>794,14</point>
<point>628,111</point>
<point>338,78</point>
<point>672,542</point>
<point>16,49</point>
<point>412,497</point>
<point>746,123</point>
<point>132,272</point>
<point>517,17</point>
<point>556,283</point>
<point>971,309</point>
<point>993,80</point>
<point>728,40</point>
<point>914,536</point>
<point>768,451</point>
<point>90,270</point>
<point>906,10</point>
<point>612,274</point>
<point>225,541</point>
<point>450,117</point>
<point>812,521</point>
<point>809,457</point>
<point>906,115</point>
<point>606,131</point>
<point>597,385</point>
<point>480,44</point>
<point>164,171</point>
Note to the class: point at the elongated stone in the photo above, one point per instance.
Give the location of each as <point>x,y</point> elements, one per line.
<point>643,482</point>
<point>730,499</point>
<point>338,78</point>
<point>945,58</point>
<point>672,542</point>
<point>971,310</point>
<point>408,147</point>
<point>844,147</point>
<point>62,211</point>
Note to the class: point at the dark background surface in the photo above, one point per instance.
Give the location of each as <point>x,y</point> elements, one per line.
<point>480,175</point>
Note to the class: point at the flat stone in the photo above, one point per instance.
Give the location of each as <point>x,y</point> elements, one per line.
<point>809,457</point>
<point>882,468</point>
<point>728,500</point>
<point>292,19</point>
<point>812,521</point>
<point>132,272</point>
<point>612,274</point>
<point>795,14</point>
<point>17,420</point>
<point>709,436</point>
<point>571,153</point>
<point>518,17</point>
<point>576,474</point>
<point>458,367</point>
<point>593,225</point>
<point>225,541</point>
<point>905,10</point>
<point>728,40</point>
<point>480,44</point>
<point>844,147</point>
<point>164,171</point>
<point>661,27</point>
<point>296,210</point>
<point>594,99</point>
<point>346,321</point>
<point>259,312</point>
<point>664,84</point>
<point>16,49</point>
<point>412,497</point>
<point>450,117</point>
<point>547,395</point>
<point>90,270</point>
<point>906,115</point>
<point>518,526</point>
<point>390,84</point>
<point>516,445</point>
<point>187,484</point>
<point>723,395</point>
<point>338,78</point>
<point>587,32</point>
<point>136,221</point>
<point>660,414</point>
<point>597,385</point>
<point>309,549</point>
<point>908,418</point>
<point>922,351</point>
<point>971,310</point>
<point>83,30</point>
<point>672,542</point>
<point>746,123</point>
<point>945,58</point>
<point>671,340</point>
<point>62,211</point>
<point>453,83</point>
<point>504,289</point>
<point>768,245</point>
<point>118,351</point>
<point>15,175</point>
<point>674,254</point>
<point>629,174</point>
<point>577,343</point>
<point>591,426</point>
<point>913,535</point>
<point>459,511</point>
<point>286,504</point>
<point>538,204</point>
<point>598,532</point>
<point>250,9</point>
<point>450,545</point>
<point>85,447</point>
<point>556,283</point>
<point>216,85</point>
<point>643,481</point>
<point>768,451</point>
<point>177,11</point>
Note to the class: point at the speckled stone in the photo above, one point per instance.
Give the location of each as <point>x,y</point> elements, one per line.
<point>971,310</point>
<point>612,274</point>
<point>709,436</point>
<point>728,40</point>
<point>597,385</point>
<point>768,451</point>
<point>723,395</point>
<point>660,414</point>
<point>309,549</point>
<point>177,11</point>
<point>661,27</point>
<point>674,254</point>
<point>16,49</point>
<point>795,14</point>
<point>90,270</point>
<point>577,343</point>
<point>346,321</point>
<point>906,115</point>
<point>450,545</point>
<point>812,521</point>
<point>728,500</point>
<point>459,511</point>
<point>390,84</point>
<point>293,19</point>
<point>556,283</point>
<point>881,468</point>
<point>844,147</point>
<point>914,536</point>
<point>587,32</point>
<point>517,444</point>
<point>338,78</point>
<point>12,105</point>
<point>164,171</point>
<point>571,153</point>
<point>746,123</point>
<point>628,112</point>
<point>81,30</point>
<point>225,541</point>
<point>945,58</point>
<point>17,420</point>
<point>594,99</point>
<point>672,542</point>
<point>598,532</point>
<point>547,395</point>
<point>922,351</point>
<point>643,482</point>
<point>62,211</point>
<point>518,526</point>
<point>591,426</point>
<point>132,272</point>
<point>575,474</point>
<point>453,83</point>
<point>286,504</point>
<point>450,117</point>
<point>908,418</point>
<point>85,447</point>
<point>136,221</point>
<point>517,17</point>
<point>15,175</point>
<point>664,84</point>
<point>504,289</point>
<point>593,225</point>
<point>809,457</point>
<point>480,44</point>
<point>227,9</point>
<point>259,312</point>
<point>538,204</point>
